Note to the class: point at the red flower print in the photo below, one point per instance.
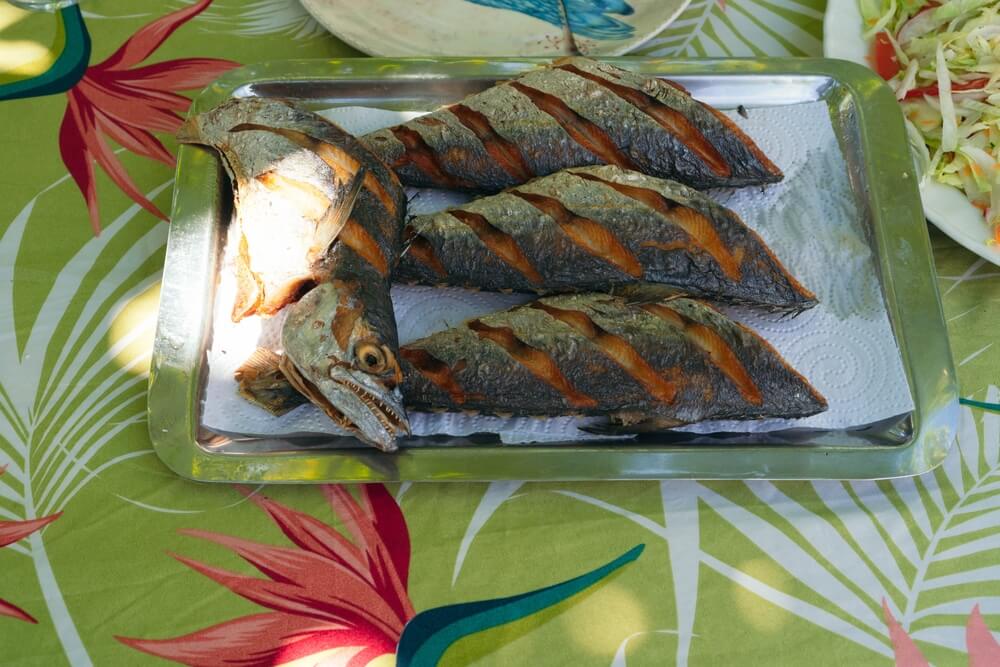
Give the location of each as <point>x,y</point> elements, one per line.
<point>979,642</point>
<point>119,100</point>
<point>10,532</point>
<point>325,593</point>
<point>983,648</point>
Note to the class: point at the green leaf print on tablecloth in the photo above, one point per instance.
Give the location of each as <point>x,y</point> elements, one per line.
<point>12,531</point>
<point>751,28</point>
<point>67,391</point>
<point>925,545</point>
<point>968,285</point>
<point>983,649</point>
<point>832,552</point>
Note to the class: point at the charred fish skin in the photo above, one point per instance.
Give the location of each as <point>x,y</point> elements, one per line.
<point>575,112</point>
<point>782,390</point>
<point>291,170</point>
<point>677,361</point>
<point>597,229</point>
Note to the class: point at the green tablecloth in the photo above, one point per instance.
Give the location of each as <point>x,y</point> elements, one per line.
<point>107,551</point>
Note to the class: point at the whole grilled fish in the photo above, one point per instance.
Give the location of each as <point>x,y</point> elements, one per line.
<point>594,229</point>
<point>645,365</point>
<point>573,113</point>
<point>290,171</point>
<point>320,218</point>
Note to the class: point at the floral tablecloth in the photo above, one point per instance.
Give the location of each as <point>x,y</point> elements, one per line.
<point>110,559</point>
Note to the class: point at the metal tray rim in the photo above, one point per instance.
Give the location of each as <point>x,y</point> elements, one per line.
<point>905,262</point>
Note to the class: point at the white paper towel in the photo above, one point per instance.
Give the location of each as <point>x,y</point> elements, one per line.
<point>844,346</point>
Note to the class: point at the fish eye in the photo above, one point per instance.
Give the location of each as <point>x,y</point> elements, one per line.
<point>371,358</point>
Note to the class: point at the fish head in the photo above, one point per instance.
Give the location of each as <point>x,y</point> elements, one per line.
<point>340,351</point>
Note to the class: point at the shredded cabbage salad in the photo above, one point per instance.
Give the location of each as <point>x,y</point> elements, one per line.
<point>943,60</point>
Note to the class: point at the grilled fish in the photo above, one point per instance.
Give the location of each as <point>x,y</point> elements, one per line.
<point>645,365</point>
<point>290,171</point>
<point>650,365</point>
<point>575,112</point>
<point>594,229</point>
<point>319,216</point>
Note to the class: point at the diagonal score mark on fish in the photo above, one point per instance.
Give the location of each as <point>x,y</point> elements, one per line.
<point>616,348</point>
<point>671,120</point>
<point>320,221</point>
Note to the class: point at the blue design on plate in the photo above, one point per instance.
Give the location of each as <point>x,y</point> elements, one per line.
<point>587,18</point>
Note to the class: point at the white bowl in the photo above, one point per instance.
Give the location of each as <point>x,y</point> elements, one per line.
<point>945,206</point>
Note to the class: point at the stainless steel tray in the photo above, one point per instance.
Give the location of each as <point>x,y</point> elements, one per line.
<point>869,124</point>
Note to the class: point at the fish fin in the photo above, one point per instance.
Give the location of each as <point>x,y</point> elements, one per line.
<point>798,309</point>
<point>639,293</point>
<point>630,424</point>
<point>309,199</point>
<point>329,226</point>
<point>190,131</point>
<point>261,362</point>
<point>261,382</point>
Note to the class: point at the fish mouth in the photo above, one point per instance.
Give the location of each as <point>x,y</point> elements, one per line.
<point>374,415</point>
<point>391,417</point>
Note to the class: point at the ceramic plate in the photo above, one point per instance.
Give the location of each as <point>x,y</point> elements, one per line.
<point>944,205</point>
<point>493,27</point>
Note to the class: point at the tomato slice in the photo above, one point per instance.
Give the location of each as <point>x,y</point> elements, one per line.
<point>933,91</point>
<point>883,56</point>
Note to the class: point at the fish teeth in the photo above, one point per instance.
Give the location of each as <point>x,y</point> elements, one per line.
<point>380,409</point>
